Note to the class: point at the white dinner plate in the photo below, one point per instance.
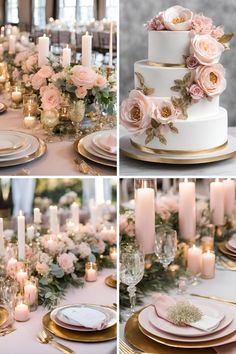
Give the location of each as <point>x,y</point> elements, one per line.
<point>107,311</point>
<point>101,135</point>
<point>21,142</point>
<point>87,145</point>
<point>103,153</point>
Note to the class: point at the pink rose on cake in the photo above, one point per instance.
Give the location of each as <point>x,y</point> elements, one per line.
<point>202,24</point>
<point>196,93</point>
<point>156,24</point>
<point>211,79</point>
<point>206,49</point>
<point>178,18</point>
<point>217,32</point>
<point>164,112</point>
<point>192,62</point>
<point>135,112</point>
<point>83,76</point>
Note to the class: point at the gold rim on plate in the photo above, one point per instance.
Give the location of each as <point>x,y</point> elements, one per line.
<point>4,108</point>
<point>225,250</point>
<point>109,281</point>
<point>4,315</point>
<point>143,340</point>
<point>28,158</point>
<point>75,336</point>
<point>81,150</point>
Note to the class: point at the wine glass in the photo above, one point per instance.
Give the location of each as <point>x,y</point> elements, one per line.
<point>165,245</point>
<point>76,113</point>
<point>131,272</point>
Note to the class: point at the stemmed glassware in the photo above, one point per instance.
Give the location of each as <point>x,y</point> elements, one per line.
<point>131,271</point>
<point>165,245</point>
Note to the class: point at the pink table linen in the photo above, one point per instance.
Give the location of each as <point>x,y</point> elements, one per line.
<point>25,334</point>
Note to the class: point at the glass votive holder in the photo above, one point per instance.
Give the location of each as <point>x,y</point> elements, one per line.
<point>31,293</point>
<point>21,275</point>
<point>207,243</point>
<point>208,265</point>
<point>91,271</point>
<point>182,285</point>
<point>30,122</point>
<point>30,105</point>
<point>16,96</point>
<point>113,254</point>
<point>21,310</point>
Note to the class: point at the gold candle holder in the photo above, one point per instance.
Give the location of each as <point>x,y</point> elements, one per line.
<point>109,71</point>
<point>30,105</point>
<point>16,97</point>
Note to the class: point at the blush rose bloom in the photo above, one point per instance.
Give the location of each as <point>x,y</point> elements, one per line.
<point>206,49</point>
<point>135,112</point>
<point>42,268</point>
<point>202,24</point>
<point>81,92</point>
<point>100,81</point>
<point>66,262</point>
<point>196,92</point>
<point>84,250</point>
<point>164,112</point>
<point>178,18</point>
<point>51,98</point>
<point>83,76</point>
<point>211,79</point>
<point>37,82</point>
<point>29,64</point>
<point>46,72</point>
<point>156,24</point>
<point>217,32</point>
<point>192,62</point>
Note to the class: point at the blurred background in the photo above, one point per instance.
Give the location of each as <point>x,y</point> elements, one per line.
<point>134,39</point>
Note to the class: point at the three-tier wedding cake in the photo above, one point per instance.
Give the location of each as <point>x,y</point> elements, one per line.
<point>174,107</point>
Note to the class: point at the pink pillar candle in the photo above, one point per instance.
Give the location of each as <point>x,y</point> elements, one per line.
<point>187,210</point>
<point>21,277</point>
<point>22,312</point>
<point>194,260</point>
<point>90,271</point>
<point>208,265</point>
<point>217,202</point>
<point>229,196</point>
<point>31,292</point>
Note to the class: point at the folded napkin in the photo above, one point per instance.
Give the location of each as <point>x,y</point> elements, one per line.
<point>85,317</point>
<point>109,143</point>
<point>163,303</point>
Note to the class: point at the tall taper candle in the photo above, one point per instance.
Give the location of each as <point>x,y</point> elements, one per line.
<point>21,236</point>
<point>145,218</point>
<point>37,216</point>
<point>111,45</point>
<point>43,50</point>
<point>75,213</point>
<point>53,218</point>
<point>187,210</point>
<point>86,49</point>
<point>229,196</point>
<point>66,56</point>
<point>217,202</point>
<point>12,44</point>
<point>2,249</point>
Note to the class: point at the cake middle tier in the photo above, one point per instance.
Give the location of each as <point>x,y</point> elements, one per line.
<point>161,79</point>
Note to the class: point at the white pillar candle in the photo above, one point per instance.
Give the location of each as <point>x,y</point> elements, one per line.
<point>30,232</point>
<point>22,312</point>
<point>43,50</point>
<point>111,45</point>
<point>12,44</point>
<point>187,210</point>
<point>113,254</point>
<point>2,79</point>
<point>217,202</point>
<point>208,265</point>
<point>74,208</point>
<point>229,196</point>
<point>21,277</point>
<point>2,248</point>
<point>37,216</point>
<point>2,31</point>
<point>194,260</point>
<point>16,95</point>
<point>86,50</point>
<point>93,215</point>
<point>145,218</point>
<point>21,236</point>
<point>90,271</point>
<point>31,292</point>
<point>53,219</point>
<point>66,56</point>
<point>30,122</point>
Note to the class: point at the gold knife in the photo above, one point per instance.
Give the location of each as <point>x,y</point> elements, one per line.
<point>231,302</point>
<point>7,331</point>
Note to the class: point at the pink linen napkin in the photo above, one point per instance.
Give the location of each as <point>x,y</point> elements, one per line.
<point>226,349</point>
<point>109,143</point>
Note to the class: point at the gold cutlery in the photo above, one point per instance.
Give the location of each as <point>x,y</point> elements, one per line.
<point>231,302</point>
<point>6,331</point>
<point>126,349</point>
<point>46,338</point>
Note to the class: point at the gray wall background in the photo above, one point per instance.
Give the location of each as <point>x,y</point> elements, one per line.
<point>134,42</point>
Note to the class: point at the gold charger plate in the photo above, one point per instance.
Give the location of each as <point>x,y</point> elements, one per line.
<point>223,249</point>
<point>28,158</point>
<point>75,336</point>
<point>81,150</point>
<point>4,108</point>
<point>3,315</point>
<point>148,343</point>
<point>111,282</point>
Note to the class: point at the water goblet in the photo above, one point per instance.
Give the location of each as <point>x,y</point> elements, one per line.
<point>165,245</point>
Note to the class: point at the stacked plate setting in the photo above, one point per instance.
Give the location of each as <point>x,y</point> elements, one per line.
<point>4,317</point>
<point>99,147</point>
<point>18,147</point>
<point>228,248</point>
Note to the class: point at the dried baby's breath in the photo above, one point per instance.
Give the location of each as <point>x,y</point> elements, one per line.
<point>184,313</point>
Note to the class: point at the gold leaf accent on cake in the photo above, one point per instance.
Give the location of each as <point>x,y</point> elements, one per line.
<point>226,38</point>
<point>147,91</point>
<point>162,139</point>
<point>173,128</point>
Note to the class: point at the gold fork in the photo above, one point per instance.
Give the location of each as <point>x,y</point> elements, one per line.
<point>126,349</point>
<point>45,338</point>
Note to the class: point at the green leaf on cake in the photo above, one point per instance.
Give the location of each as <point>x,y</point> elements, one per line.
<point>154,123</point>
<point>187,79</point>
<point>178,82</point>
<point>226,38</point>
<point>176,88</point>
<point>140,78</point>
<point>162,139</point>
<point>148,91</point>
<point>150,135</point>
<point>173,128</point>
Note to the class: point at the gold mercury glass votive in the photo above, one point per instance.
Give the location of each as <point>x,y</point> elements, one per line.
<point>16,97</point>
<point>30,105</point>
<point>91,271</point>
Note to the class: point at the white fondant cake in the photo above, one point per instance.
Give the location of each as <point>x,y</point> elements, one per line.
<point>175,105</point>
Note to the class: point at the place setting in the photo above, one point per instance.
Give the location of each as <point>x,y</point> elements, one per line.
<point>170,262</point>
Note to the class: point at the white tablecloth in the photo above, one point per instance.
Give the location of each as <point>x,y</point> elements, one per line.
<point>23,340</point>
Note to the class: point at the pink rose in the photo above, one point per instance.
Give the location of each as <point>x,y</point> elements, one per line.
<point>51,98</point>
<point>136,111</point>
<point>123,222</point>
<point>11,267</point>
<point>100,81</point>
<point>196,92</point>
<point>202,24</point>
<point>28,251</point>
<point>42,268</point>
<point>30,63</point>
<point>211,79</point>
<point>192,62</point>
<point>66,262</point>
<point>37,81</point>
<point>83,76</point>
<point>57,76</point>
<point>45,72</point>
<point>217,32</point>
<point>178,18</point>
<point>81,92</point>
<point>43,89</point>
<point>206,49</point>
<point>156,24</point>
<point>164,112</point>
<point>84,250</point>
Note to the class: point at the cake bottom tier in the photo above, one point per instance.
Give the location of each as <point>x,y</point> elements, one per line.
<point>194,136</point>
